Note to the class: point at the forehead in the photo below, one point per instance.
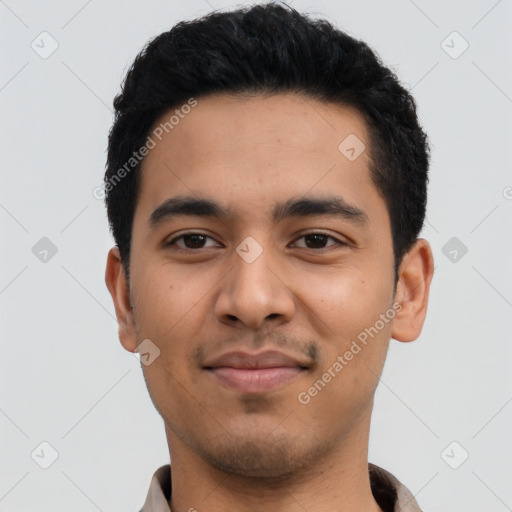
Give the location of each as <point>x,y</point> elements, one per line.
<point>257,150</point>
<point>223,122</point>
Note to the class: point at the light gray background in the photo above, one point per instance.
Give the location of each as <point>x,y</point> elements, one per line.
<point>64,377</point>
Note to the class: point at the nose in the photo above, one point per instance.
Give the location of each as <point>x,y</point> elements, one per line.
<point>255,292</point>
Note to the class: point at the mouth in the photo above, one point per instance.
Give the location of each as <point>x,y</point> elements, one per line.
<point>255,381</point>
<point>255,373</point>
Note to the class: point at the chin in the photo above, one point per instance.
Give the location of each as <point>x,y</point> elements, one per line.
<point>275,458</point>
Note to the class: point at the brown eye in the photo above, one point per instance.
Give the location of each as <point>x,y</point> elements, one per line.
<point>191,241</point>
<point>318,240</point>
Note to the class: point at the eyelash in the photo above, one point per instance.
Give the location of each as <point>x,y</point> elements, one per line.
<point>339,242</point>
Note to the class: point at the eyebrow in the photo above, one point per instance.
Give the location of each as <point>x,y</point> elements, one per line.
<point>303,207</point>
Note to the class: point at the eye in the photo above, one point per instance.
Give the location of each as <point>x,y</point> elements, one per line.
<point>191,241</point>
<point>317,240</point>
<point>314,240</point>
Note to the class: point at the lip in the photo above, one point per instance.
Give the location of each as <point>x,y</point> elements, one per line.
<point>255,373</point>
<point>247,360</point>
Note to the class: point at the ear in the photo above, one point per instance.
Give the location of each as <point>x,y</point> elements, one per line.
<point>413,286</point>
<point>117,285</point>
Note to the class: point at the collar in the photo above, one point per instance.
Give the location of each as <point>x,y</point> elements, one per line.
<point>389,492</point>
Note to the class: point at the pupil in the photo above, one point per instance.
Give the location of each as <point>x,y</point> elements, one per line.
<point>194,245</point>
<point>317,237</point>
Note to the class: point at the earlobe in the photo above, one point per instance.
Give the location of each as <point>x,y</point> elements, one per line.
<point>115,279</point>
<point>415,275</point>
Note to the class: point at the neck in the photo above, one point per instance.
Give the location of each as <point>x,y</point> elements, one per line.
<point>336,482</point>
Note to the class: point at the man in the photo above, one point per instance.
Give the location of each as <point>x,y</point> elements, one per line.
<point>266,185</point>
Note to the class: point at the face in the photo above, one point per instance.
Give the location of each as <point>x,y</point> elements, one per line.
<point>271,305</point>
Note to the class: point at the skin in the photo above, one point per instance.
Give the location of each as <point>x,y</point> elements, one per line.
<point>307,297</point>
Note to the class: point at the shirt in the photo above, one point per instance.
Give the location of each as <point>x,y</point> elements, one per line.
<point>389,493</point>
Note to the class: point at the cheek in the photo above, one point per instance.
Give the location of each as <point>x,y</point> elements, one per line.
<point>165,299</point>
<point>165,315</point>
<point>345,301</point>
<point>354,349</point>
<point>169,315</point>
<point>346,308</point>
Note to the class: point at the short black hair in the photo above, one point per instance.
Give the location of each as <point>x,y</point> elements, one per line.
<point>270,48</point>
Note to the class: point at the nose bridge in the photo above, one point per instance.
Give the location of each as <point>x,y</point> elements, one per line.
<point>252,291</point>
<point>251,273</point>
